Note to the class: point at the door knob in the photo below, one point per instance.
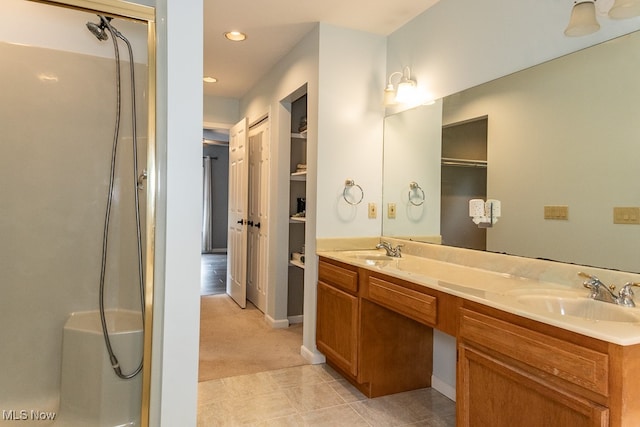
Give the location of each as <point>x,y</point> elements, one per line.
<point>257,225</point>
<point>250,223</point>
<point>240,221</point>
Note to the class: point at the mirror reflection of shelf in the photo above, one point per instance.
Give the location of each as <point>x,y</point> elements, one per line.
<point>467,163</point>
<point>300,219</point>
<point>299,176</point>
<point>301,135</point>
<point>298,264</point>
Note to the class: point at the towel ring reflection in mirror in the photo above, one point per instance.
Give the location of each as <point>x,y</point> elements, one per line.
<point>414,188</point>
<point>348,184</point>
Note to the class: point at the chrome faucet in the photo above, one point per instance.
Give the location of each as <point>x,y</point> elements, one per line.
<point>625,296</point>
<point>602,292</point>
<point>599,291</point>
<point>391,251</point>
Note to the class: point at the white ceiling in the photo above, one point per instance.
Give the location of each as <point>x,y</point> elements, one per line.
<point>274,27</point>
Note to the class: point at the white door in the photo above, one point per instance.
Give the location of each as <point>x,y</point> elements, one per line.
<point>238,201</point>
<point>258,214</point>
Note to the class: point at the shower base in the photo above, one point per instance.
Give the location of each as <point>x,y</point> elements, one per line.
<point>91,395</point>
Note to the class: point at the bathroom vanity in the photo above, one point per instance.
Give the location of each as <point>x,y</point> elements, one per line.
<point>519,360</point>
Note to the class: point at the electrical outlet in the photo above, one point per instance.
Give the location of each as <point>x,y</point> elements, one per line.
<point>391,211</point>
<point>626,215</point>
<point>373,211</point>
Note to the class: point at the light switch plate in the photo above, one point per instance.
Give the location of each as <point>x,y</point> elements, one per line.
<point>373,211</point>
<point>391,210</point>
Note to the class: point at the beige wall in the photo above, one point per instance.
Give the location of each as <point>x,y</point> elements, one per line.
<point>57,121</point>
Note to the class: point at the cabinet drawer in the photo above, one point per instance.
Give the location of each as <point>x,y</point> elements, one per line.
<point>556,358</point>
<point>338,276</point>
<point>413,304</point>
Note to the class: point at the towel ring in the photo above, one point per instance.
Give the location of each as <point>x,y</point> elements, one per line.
<point>347,185</point>
<point>414,187</point>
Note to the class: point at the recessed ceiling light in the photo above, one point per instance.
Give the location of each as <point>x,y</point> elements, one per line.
<point>235,36</point>
<point>210,79</point>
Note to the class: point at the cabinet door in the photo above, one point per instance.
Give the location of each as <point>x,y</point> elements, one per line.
<point>491,392</point>
<point>337,327</point>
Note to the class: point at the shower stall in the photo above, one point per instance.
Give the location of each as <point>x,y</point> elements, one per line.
<point>75,207</point>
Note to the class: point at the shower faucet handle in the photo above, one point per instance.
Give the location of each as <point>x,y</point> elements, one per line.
<point>141,179</point>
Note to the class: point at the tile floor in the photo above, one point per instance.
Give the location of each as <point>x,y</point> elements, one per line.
<point>314,395</point>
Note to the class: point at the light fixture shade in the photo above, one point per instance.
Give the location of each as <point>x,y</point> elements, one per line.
<point>583,20</point>
<point>389,98</point>
<point>406,91</point>
<point>623,9</point>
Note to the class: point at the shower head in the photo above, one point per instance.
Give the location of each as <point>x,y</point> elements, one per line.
<point>98,30</point>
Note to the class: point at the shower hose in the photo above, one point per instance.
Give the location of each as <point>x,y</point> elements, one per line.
<point>115,34</point>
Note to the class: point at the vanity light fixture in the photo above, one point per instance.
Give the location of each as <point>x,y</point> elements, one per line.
<point>209,79</point>
<point>623,9</point>
<point>583,19</point>
<point>583,15</point>
<point>235,36</point>
<point>406,91</point>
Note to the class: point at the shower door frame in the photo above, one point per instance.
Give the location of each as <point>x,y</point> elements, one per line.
<point>146,15</point>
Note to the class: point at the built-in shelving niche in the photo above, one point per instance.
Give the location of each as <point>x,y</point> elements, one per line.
<point>297,206</point>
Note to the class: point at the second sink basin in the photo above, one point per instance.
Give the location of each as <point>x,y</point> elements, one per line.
<point>584,308</point>
<point>371,257</point>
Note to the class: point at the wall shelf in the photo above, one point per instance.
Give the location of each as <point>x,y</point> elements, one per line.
<point>298,264</point>
<point>297,219</point>
<point>299,176</point>
<point>301,135</point>
<point>468,163</point>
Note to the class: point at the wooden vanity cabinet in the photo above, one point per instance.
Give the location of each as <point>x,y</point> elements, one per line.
<point>379,350</point>
<point>376,330</point>
<point>338,316</point>
<point>515,371</point>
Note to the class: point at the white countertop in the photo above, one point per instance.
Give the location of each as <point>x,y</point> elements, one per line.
<point>517,295</point>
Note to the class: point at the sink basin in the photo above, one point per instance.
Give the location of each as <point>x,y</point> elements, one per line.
<point>584,308</point>
<point>370,257</point>
<point>375,257</point>
<point>569,293</point>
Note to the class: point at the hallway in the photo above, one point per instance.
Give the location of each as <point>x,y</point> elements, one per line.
<point>235,341</point>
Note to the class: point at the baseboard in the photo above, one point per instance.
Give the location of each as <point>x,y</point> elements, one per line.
<point>276,324</point>
<point>295,319</point>
<point>442,387</point>
<point>216,251</point>
<point>314,357</point>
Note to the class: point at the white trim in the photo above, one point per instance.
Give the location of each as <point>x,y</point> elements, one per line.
<point>313,357</point>
<point>295,319</point>
<point>442,387</point>
<point>276,324</point>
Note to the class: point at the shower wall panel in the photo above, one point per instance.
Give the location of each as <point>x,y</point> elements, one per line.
<point>57,114</point>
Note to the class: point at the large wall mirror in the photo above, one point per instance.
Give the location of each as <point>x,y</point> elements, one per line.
<point>558,144</point>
